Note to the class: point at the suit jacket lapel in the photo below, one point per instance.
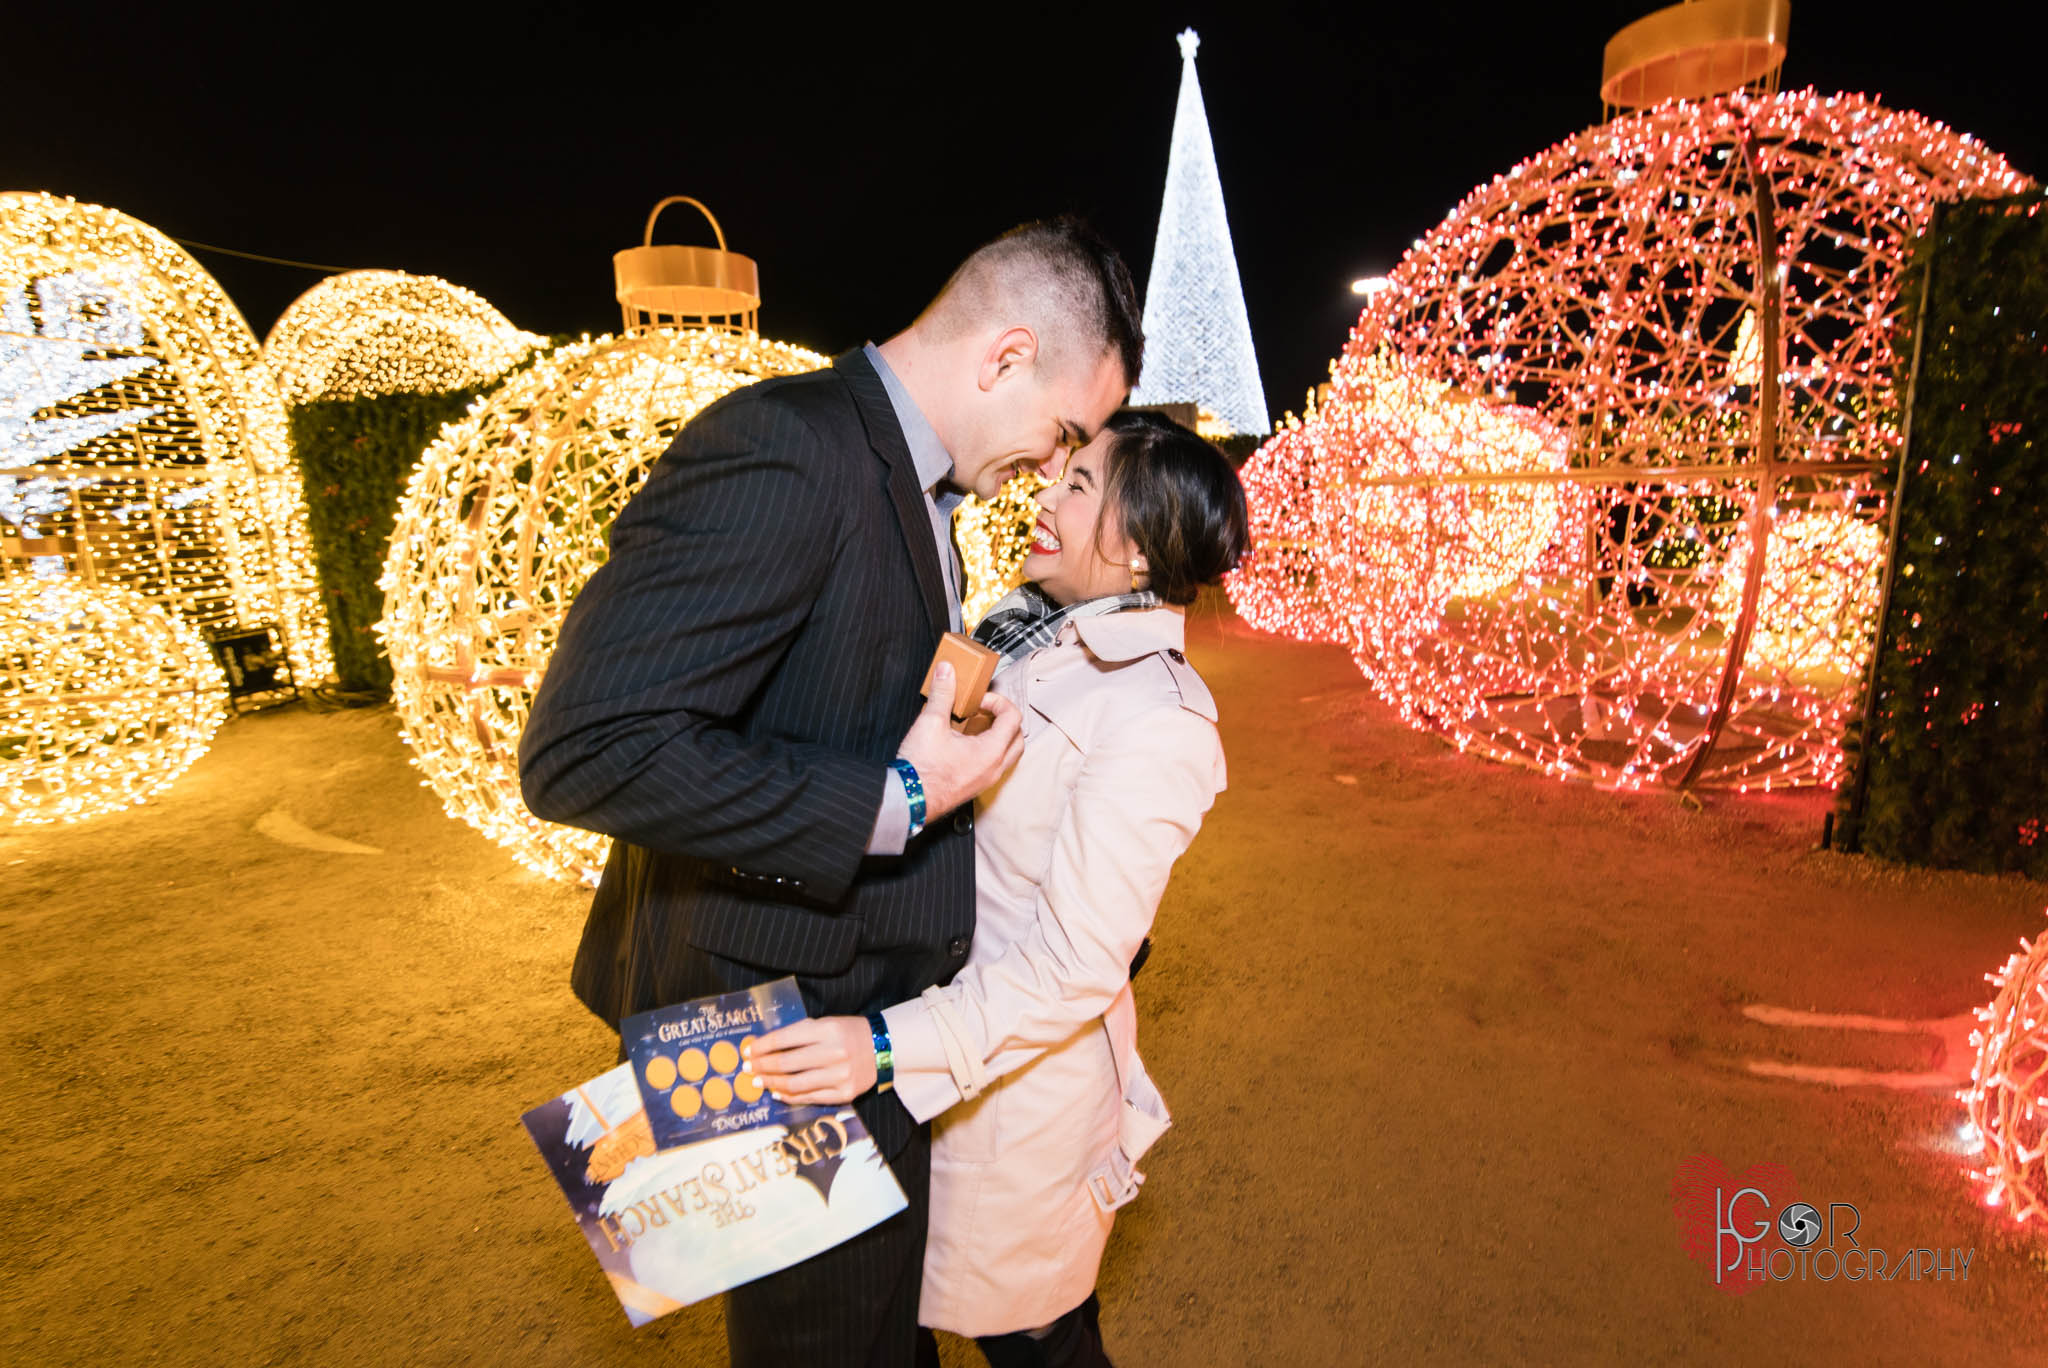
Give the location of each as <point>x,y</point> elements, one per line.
<point>885,435</point>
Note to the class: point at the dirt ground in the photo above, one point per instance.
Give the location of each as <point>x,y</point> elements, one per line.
<point>1436,1034</point>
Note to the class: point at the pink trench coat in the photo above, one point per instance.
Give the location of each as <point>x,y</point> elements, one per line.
<point>1029,1057</point>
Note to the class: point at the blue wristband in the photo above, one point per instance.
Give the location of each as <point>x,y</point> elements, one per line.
<point>885,1053</point>
<point>913,789</point>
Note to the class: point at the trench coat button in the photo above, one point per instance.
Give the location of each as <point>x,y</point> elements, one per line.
<point>956,948</point>
<point>1175,656</point>
<point>963,821</point>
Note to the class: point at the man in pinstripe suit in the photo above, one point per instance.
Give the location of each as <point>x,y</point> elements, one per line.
<point>731,688</point>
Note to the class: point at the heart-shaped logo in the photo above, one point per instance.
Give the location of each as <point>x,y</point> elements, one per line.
<point>1728,1224</point>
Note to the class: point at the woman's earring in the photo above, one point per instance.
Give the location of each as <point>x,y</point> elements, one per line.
<point>1138,567</point>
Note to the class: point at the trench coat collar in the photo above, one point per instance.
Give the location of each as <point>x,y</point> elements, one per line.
<point>1117,637</point>
<point>885,435</point>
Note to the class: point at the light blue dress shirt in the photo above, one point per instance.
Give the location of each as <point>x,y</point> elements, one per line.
<point>933,463</point>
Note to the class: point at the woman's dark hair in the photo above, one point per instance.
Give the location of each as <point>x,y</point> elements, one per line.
<point>1178,500</point>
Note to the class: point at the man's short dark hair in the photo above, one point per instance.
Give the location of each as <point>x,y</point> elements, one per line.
<point>1058,266</point>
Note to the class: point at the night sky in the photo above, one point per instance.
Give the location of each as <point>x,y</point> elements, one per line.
<point>513,150</point>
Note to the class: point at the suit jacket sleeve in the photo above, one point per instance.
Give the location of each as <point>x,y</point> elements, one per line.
<point>635,731</point>
<point>1116,845</point>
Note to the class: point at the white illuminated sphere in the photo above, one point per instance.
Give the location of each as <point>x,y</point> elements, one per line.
<point>386,332</point>
<point>504,520</point>
<point>105,699</point>
<point>143,443</point>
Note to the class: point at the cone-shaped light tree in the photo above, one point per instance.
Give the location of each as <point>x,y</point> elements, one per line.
<point>1198,342</point>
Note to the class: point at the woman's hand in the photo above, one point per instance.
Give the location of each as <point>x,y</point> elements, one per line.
<point>817,1060</point>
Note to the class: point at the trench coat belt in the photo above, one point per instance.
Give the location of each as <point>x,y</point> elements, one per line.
<point>970,1071</point>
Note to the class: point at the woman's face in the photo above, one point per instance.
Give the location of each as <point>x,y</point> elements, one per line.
<point>1066,558</point>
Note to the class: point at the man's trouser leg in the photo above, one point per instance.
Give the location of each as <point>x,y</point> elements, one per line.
<point>853,1306</point>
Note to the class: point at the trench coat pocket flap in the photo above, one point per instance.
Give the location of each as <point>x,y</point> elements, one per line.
<point>1065,706</point>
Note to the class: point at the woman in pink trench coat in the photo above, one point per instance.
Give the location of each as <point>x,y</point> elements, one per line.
<point>1028,1059</point>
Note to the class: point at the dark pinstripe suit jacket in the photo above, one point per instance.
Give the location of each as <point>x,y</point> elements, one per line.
<point>724,701</point>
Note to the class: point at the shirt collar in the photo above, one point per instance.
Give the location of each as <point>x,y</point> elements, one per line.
<point>1115,637</point>
<point>928,455</point>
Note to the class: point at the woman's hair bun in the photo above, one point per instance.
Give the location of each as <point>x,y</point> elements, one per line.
<point>1179,501</point>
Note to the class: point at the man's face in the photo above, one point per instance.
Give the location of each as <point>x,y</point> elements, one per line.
<point>1024,418</point>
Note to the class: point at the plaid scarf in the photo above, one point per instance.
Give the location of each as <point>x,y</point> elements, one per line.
<point>1026,619</point>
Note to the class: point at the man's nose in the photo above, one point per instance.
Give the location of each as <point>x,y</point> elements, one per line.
<point>1055,465</point>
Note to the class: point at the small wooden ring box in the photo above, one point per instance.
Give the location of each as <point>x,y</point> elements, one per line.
<point>973,666</point>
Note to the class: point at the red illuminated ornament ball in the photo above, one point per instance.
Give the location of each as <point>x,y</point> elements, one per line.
<point>1600,483</point>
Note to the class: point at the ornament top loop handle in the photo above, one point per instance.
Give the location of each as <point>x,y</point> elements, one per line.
<point>647,239</point>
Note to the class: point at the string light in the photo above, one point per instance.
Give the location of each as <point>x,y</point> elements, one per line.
<point>1697,301</point>
<point>387,332</point>
<point>503,521</point>
<point>142,441</point>
<point>105,699</point>
<point>2007,1099</point>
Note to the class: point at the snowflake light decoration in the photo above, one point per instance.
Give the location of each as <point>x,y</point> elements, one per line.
<point>1697,303</point>
<point>142,442</point>
<point>105,699</point>
<point>503,522</point>
<point>387,332</point>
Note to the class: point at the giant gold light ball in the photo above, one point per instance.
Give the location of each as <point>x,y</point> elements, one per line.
<point>1690,312</point>
<point>105,699</point>
<point>994,536</point>
<point>1426,522</point>
<point>142,441</point>
<point>1817,614</point>
<point>366,333</point>
<point>503,521</point>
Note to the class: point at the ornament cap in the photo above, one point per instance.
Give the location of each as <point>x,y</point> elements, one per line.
<point>1695,49</point>
<point>686,286</point>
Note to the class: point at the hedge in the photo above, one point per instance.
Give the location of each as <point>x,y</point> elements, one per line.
<point>355,456</point>
<point>1954,771</point>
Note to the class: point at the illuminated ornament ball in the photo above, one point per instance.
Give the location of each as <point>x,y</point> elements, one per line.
<point>387,332</point>
<point>1277,587</point>
<point>1533,500</point>
<point>1816,613</point>
<point>994,536</point>
<point>2007,1099</point>
<point>503,522</point>
<point>105,699</point>
<point>142,441</point>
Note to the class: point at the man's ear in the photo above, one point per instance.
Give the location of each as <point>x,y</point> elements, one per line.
<point>1011,351</point>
